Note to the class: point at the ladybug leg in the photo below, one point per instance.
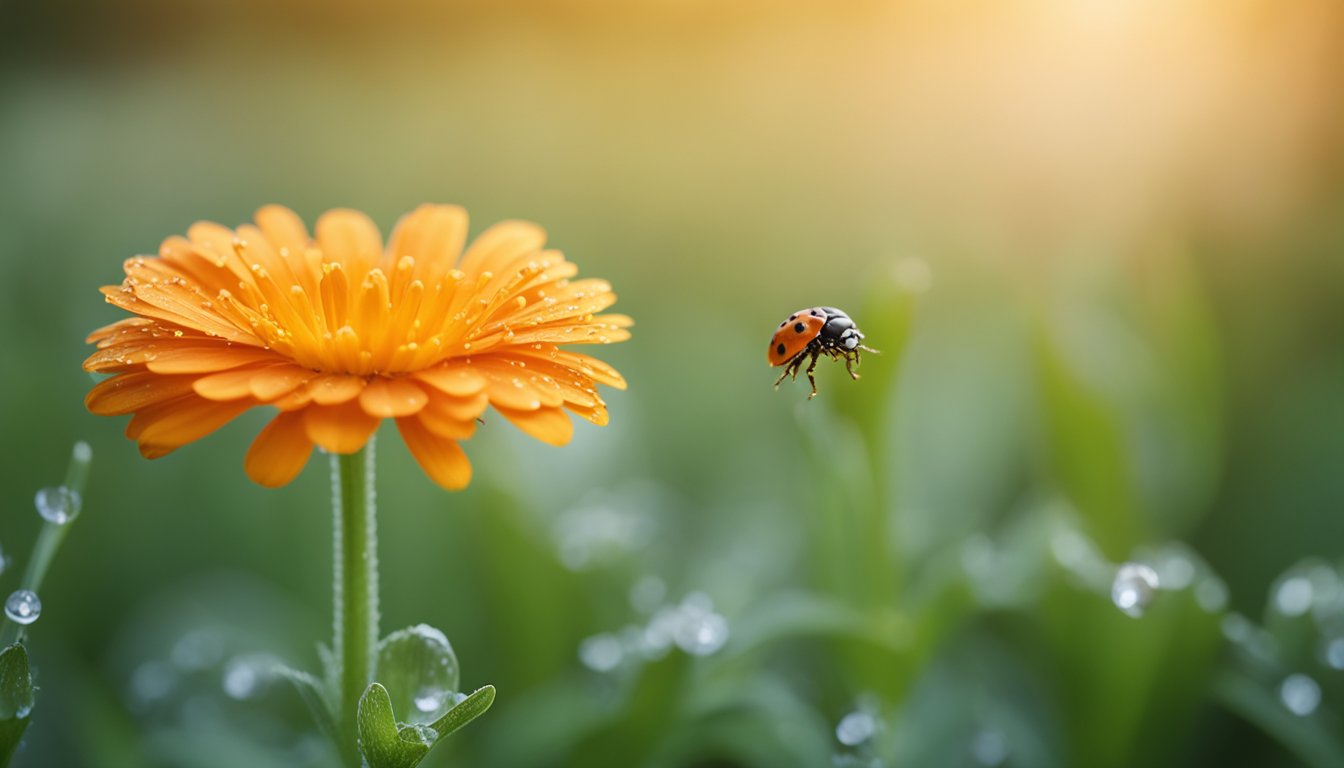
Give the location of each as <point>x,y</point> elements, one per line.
<point>812,379</point>
<point>791,367</point>
<point>850,361</point>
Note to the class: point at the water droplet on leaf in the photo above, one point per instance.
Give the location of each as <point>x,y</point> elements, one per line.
<point>57,505</point>
<point>1133,588</point>
<point>23,606</point>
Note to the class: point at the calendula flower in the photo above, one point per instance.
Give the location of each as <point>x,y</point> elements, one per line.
<point>337,333</point>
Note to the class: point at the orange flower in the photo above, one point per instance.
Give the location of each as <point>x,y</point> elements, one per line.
<point>338,333</point>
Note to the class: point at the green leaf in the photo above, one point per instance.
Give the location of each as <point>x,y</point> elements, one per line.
<point>465,711</point>
<point>1311,739</point>
<point>16,699</point>
<point>418,668</point>
<point>380,741</point>
<point>313,693</point>
<point>385,744</point>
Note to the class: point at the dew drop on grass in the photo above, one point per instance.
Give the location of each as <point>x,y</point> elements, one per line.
<point>1133,588</point>
<point>57,505</point>
<point>601,653</point>
<point>1300,694</point>
<point>855,728</point>
<point>23,606</point>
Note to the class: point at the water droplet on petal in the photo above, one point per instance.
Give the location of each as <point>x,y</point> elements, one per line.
<point>1133,588</point>
<point>23,606</point>
<point>1300,694</point>
<point>855,728</point>
<point>57,505</point>
<point>1294,596</point>
<point>601,653</point>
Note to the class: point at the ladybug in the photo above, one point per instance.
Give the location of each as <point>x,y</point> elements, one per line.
<point>810,333</point>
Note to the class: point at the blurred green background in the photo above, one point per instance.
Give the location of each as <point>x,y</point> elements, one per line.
<point>1099,244</point>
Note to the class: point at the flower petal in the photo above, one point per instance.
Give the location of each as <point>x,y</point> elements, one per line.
<point>343,428</point>
<point>283,228</point>
<point>129,392</point>
<point>336,388</point>
<point>351,238</point>
<point>206,358</point>
<point>265,383</point>
<point>453,379</point>
<point>453,417</point>
<point>280,451</point>
<point>392,398</point>
<point>441,458</point>
<point>500,244</point>
<point>432,235</point>
<point>178,422</point>
<point>549,425</point>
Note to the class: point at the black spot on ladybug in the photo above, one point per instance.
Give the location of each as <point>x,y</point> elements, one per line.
<point>779,350</point>
<point>799,327</point>
<point>792,317</point>
<point>815,313</point>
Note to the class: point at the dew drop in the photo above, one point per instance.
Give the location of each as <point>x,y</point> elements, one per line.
<point>855,728</point>
<point>1294,596</point>
<point>602,652</point>
<point>429,698</point>
<point>424,733</point>
<point>57,505</point>
<point>23,606</point>
<point>1300,694</point>
<point>1133,588</point>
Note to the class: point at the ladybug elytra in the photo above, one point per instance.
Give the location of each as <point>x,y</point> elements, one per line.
<point>810,333</point>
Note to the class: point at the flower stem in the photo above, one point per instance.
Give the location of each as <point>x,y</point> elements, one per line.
<point>355,582</point>
<point>50,538</point>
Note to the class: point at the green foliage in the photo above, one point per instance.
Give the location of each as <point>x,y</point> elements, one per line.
<point>16,699</point>
<point>385,743</point>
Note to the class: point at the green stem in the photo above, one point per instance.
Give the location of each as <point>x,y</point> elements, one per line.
<point>355,581</point>
<point>50,538</point>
